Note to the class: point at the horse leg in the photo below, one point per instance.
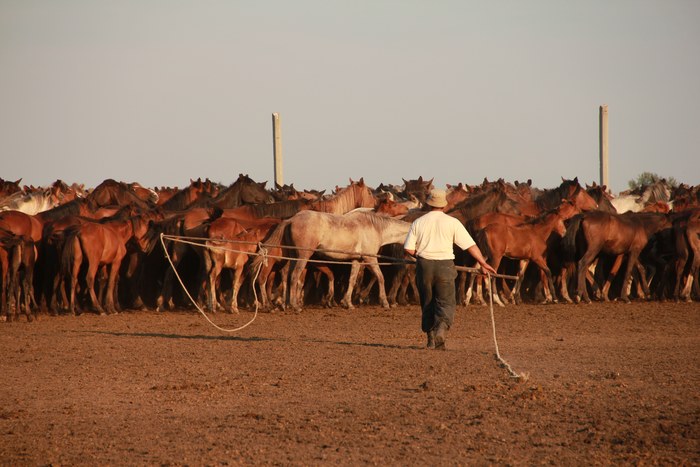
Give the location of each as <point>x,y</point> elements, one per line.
<point>518,283</point>
<point>112,284</point>
<point>469,289</point>
<point>90,281</point>
<point>297,283</point>
<point>212,279</point>
<point>689,280</point>
<point>493,285</point>
<point>235,287</point>
<point>347,298</point>
<point>479,295</point>
<point>611,276</point>
<point>565,273</point>
<point>376,270</point>
<point>627,278</point>
<point>329,298</point>
<point>584,262</point>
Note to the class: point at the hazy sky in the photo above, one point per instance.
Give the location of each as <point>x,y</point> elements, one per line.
<point>161,92</point>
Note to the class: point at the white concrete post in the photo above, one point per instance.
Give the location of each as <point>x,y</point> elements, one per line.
<point>277,148</point>
<point>603,121</point>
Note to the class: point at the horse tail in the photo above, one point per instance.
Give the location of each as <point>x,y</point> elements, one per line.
<point>483,243</point>
<point>274,239</point>
<point>569,240</point>
<point>214,212</point>
<point>68,251</point>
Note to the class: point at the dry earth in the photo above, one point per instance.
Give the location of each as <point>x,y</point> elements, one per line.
<point>609,383</point>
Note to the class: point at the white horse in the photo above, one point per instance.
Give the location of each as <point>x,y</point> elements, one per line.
<point>355,236</point>
<point>31,203</point>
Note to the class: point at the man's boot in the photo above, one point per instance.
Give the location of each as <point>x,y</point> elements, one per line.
<point>440,336</point>
<point>431,339</point>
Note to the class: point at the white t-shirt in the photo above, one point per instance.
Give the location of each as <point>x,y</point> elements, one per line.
<point>433,234</point>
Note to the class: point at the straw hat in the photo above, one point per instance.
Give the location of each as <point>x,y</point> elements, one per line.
<point>437,198</point>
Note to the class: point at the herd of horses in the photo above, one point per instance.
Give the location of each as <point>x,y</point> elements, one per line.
<point>67,249</point>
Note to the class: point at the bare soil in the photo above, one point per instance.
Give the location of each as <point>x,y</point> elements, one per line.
<point>608,383</point>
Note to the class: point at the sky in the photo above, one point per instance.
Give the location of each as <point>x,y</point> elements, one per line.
<point>162,92</point>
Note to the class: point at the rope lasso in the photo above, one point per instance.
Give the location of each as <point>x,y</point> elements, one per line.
<point>505,364</point>
<point>262,251</point>
<point>194,302</point>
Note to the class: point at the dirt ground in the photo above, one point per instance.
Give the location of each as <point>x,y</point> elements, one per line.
<point>609,383</point>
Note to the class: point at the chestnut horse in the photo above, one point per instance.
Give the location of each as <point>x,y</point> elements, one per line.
<point>101,245</point>
<point>230,245</point>
<point>526,242</point>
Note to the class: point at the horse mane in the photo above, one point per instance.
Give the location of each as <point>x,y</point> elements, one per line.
<point>280,209</point>
<point>71,208</point>
<point>486,201</point>
<point>343,201</point>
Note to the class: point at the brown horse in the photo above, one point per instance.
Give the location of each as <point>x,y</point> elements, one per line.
<point>613,234</point>
<point>493,199</point>
<point>181,199</point>
<point>7,187</point>
<point>243,191</point>
<point>686,235</point>
<point>111,192</point>
<point>17,258</point>
<point>526,242</point>
<point>229,247</point>
<point>101,245</point>
<point>419,188</point>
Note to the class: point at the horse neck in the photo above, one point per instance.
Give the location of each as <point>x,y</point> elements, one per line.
<point>545,225</point>
<point>341,203</point>
<point>394,231</point>
<point>655,223</point>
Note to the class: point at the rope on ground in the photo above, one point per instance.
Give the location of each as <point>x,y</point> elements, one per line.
<point>505,364</point>
<point>194,302</point>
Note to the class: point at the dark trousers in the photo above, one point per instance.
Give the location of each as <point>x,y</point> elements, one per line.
<point>436,286</point>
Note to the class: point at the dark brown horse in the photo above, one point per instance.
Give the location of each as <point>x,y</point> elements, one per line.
<point>570,190</point>
<point>419,188</point>
<point>614,234</point>
<point>111,192</point>
<point>182,199</point>
<point>17,259</point>
<point>494,199</point>
<point>243,191</point>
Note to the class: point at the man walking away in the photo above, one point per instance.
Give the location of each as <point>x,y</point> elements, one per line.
<point>430,239</point>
